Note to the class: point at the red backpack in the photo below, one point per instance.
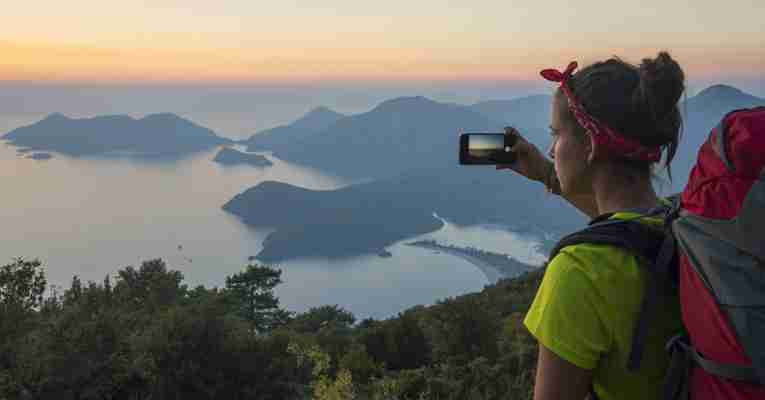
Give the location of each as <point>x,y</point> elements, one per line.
<point>712,254</point>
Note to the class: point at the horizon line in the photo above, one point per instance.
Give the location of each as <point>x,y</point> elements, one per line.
<point>531,87</point>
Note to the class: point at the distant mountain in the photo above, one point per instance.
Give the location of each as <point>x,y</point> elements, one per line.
<point>229,157</point>
<point>316,120</point>
<point>530,115</point>
<point>396,136</point>
<point>717,97</point>
<point>156,134</point>
<point>702,113</point>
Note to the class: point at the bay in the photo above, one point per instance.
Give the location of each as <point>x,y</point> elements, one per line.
<point>92,216</point>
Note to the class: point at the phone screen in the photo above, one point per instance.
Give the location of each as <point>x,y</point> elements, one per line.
<point>483,146</point>
<point>485,149</point>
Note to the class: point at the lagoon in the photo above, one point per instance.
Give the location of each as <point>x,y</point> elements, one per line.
<point>92,216</point>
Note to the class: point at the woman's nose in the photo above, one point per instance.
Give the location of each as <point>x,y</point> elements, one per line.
<point>551,150</point>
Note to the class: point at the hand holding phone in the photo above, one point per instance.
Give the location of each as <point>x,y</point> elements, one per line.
<point>529,161</point>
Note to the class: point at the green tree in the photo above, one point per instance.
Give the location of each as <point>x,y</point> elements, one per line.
<point>323,386</point>
<point>317,318</point>
<point>22,284</point>
<point>251,294</point>
<point>463,329</point>
<point>399,343</point>
<point>360,365</point>
<point>152,286</point>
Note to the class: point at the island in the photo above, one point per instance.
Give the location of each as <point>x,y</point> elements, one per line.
<point>495,266</point>
<point>229,157</point>
<point>40,156</point>
<point>161,134</point>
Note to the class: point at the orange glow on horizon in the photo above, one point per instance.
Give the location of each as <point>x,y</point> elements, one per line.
<point>48,63</point>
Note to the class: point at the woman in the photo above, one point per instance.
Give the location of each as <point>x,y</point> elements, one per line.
<point>610,123</point>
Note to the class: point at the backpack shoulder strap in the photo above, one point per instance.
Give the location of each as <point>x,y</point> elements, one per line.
<point>659,251</point>
<point>631,235</point>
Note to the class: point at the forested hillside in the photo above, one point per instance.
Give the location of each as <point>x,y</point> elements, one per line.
<point>146,335</point>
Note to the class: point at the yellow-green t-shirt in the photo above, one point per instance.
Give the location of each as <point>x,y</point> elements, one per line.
<point>585,311</point>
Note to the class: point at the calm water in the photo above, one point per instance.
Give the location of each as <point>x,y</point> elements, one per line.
<point>92,216</point>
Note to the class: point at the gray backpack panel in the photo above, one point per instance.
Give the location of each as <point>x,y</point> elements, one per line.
<point>729,255</point>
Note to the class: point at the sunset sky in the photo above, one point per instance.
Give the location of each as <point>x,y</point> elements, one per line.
<point>230,41</point>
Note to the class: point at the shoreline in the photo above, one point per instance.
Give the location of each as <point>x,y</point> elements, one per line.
<point>493,272</point>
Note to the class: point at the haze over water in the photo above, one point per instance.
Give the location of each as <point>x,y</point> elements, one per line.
<point>236,112</point>
<point>92,216</point>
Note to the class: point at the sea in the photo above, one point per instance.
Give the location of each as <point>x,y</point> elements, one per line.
<point>91,216</point>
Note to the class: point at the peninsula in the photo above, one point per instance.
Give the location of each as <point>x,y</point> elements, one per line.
<point>495,266</point>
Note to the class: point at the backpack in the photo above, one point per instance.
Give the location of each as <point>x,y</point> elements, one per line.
<point>711,254</point>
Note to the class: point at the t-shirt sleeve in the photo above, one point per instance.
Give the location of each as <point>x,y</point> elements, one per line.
<point>566,314</point>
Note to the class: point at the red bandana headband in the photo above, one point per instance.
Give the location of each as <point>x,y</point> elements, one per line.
<point>600,132</point>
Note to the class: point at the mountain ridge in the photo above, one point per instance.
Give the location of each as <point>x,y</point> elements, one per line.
<point>396,135</point>
<point>310,123</point>
<point>701,113</point>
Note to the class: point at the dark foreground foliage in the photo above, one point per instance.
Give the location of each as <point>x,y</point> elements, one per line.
<point>146,335</point>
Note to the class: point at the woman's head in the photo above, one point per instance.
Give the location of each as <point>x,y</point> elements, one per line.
<point>637,102</point>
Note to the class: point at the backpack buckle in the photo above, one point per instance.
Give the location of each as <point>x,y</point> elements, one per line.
<point>677,342</point>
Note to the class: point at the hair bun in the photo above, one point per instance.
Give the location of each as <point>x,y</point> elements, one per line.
<point>662,82</point>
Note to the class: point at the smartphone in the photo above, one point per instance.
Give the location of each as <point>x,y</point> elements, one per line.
<point>486,148</point>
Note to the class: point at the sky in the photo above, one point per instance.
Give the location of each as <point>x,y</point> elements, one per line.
<point>235,41</point>
<point>240,66</point>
